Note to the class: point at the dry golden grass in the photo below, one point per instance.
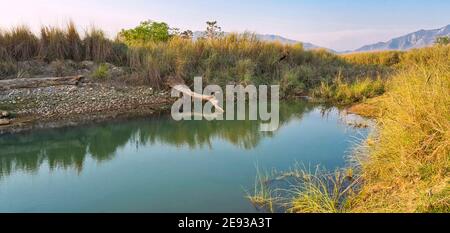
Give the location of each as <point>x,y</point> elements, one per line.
<point>55,43</point>
<point>368,108</point>
<point>345,92</point>
<point>384,58</point>
<point>404,165</point>
<point>408,166</point>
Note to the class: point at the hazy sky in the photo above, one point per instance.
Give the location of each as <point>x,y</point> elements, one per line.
<point>336,24</point>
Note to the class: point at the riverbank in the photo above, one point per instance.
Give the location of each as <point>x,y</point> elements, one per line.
<point>69,105</point>
<point>403,166</point>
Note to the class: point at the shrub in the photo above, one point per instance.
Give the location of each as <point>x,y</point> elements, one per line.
<point>101,72</point>
<point>147,31</point>
<point>443,40</point>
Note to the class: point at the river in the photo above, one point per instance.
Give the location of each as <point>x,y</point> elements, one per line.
<point>159,165</point>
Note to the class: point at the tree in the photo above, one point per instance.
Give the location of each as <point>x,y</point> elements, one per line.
<point>213,30</point>
<point>442,40</point>
<point>146,31</point>
<point>188,34</point>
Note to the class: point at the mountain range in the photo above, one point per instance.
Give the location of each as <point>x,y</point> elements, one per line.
<point>418,39</point>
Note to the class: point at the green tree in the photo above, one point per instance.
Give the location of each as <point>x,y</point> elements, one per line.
<point>443,40</point>
<point>146,31</point>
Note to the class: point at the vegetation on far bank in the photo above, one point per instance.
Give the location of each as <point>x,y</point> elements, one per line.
<point>153,51</point>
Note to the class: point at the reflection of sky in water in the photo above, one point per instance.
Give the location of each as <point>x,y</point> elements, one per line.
<point>159,165</point>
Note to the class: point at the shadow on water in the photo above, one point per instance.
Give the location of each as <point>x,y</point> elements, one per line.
<point>68,148</point>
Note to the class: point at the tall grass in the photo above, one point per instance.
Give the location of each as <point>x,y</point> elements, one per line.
<point>404,165</point>
<point>74,43</point>
<point>301,190</point>
<point>344,93</point>
<point>408,166</point>
<point>19,43</point>
<point>383,58</point>
<point>239,59</point>
<point>55,43</point>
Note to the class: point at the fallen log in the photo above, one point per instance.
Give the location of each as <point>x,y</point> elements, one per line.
<point>194,95</point>
<point>179,85</point>
<point>20,83</point>
<point>4,122</point>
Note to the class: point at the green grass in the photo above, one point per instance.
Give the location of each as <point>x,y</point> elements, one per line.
<point>301,190</point>
<point>345,93</point>
<point>101,72</point>
<point>322,193</point>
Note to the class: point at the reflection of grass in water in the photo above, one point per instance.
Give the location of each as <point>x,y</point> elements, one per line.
<point>68,148</point>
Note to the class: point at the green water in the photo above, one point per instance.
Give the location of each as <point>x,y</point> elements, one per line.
<point>158,165</point>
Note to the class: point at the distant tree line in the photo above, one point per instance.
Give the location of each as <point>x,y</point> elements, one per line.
<point>153,31</point>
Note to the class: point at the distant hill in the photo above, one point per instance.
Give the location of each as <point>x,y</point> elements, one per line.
<point>269,37</point>
<point>419,39</point>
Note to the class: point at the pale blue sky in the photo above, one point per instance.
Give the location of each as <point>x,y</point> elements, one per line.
<point>336,24</point>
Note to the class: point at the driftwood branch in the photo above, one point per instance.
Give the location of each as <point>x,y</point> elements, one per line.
<point>179,85</point>
<point>194,95</point>
<point>39,82</point>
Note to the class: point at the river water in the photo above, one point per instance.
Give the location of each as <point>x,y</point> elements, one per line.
<point>159,165</point>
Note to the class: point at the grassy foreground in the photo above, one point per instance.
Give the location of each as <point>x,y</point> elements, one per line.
<point>403,166</point>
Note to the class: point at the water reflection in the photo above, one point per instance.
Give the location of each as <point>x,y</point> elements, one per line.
<point>69,148</point>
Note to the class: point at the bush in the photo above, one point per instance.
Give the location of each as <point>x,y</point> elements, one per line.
<point>147,31</point>
<point>101,72</point>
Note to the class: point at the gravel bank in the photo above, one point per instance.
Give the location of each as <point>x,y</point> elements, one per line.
<point>60,106</point>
